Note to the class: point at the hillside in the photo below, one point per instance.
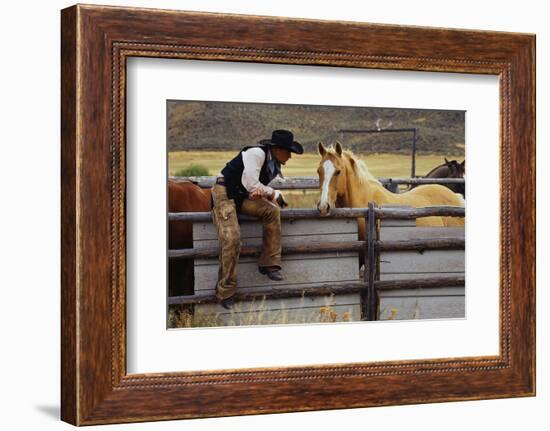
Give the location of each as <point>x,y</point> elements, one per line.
<point>217,126</point>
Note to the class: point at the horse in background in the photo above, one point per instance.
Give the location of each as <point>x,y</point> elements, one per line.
<point>345,181</point>
<point>183,196</point>
<point>450,169</point>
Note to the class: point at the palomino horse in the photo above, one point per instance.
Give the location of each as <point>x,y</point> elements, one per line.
<point>450,169</point>
<point>183,196</point>
<point>345,181</point>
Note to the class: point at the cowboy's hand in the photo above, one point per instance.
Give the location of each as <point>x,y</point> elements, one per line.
<point>279,199</point>
<point>256,194</point>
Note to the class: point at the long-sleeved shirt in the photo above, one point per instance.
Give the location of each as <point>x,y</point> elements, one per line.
<point>253,160</point>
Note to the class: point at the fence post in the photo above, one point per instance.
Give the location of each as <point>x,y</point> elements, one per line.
<point>371,269</point>
<point>368,297</point>
<point>365,292</point>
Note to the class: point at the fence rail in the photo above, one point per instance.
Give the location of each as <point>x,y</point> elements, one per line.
<point>305,183</point>
<point>326,247</point>
<point>382,213</point>
<point>316,290</point>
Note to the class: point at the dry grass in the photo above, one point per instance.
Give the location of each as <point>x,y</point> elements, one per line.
<point>392,313</point>
<point>302,199</point>
<point>380,164</point>
<point>254,312</point>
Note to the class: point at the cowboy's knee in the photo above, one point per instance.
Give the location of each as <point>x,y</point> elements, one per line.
<point>232,239</point>
<point>272,212</point>
<point>234,242</point>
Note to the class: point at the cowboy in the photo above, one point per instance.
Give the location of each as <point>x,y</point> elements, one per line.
<point>242,187</point>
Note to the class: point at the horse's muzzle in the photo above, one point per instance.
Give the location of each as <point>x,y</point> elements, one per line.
<point>323,208</point>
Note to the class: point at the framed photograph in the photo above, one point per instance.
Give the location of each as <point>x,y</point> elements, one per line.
<point>321,276</point>
<point>282,208</point>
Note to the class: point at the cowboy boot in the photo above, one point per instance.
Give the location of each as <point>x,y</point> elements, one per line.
<point>273,272</point>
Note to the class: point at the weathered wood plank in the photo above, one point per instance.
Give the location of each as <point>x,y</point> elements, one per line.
<point>415,276</point>
<point>413,262</point>
<point>298,268</point>
<point>434,307</point>
<point>321,268</point>
<point>422,292</point>
<point>421,303</point>
<point>300,245</point>
<point>385,223</point>
<point>207,231</point>
<point>292,241</point>
<point>311,244</point>
<point>391,232</point>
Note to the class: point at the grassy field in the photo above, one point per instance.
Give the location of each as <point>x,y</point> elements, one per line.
<point>380,165</point>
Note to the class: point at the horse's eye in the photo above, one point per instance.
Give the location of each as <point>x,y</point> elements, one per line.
<point>337,172</point>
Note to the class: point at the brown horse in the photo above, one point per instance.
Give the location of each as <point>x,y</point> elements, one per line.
<point>183,196</point>
<point>345,181</point>
<point>450,169</point>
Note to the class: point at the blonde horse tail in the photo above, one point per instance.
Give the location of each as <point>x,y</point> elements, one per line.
<point>456,221</point>
<point>461,200</point>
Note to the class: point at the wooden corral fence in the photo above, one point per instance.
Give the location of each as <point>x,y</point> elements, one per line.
<point>409,272</point>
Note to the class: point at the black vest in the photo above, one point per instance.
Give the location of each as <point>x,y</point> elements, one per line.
<point>233,172</point>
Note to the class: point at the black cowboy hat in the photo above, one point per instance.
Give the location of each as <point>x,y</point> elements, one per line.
<point>283,139</point>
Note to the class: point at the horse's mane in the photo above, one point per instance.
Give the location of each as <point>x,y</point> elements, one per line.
<point>360,168</point>
<point>435,169</point>
<point>453,166</point>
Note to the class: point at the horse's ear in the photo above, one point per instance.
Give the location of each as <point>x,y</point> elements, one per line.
<point>463,164</point>
<point>447,162</point>
<point>338,149</point>
<point>322,149</point>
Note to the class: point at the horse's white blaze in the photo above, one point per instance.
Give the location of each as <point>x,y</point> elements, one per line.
<point>328,166</point>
